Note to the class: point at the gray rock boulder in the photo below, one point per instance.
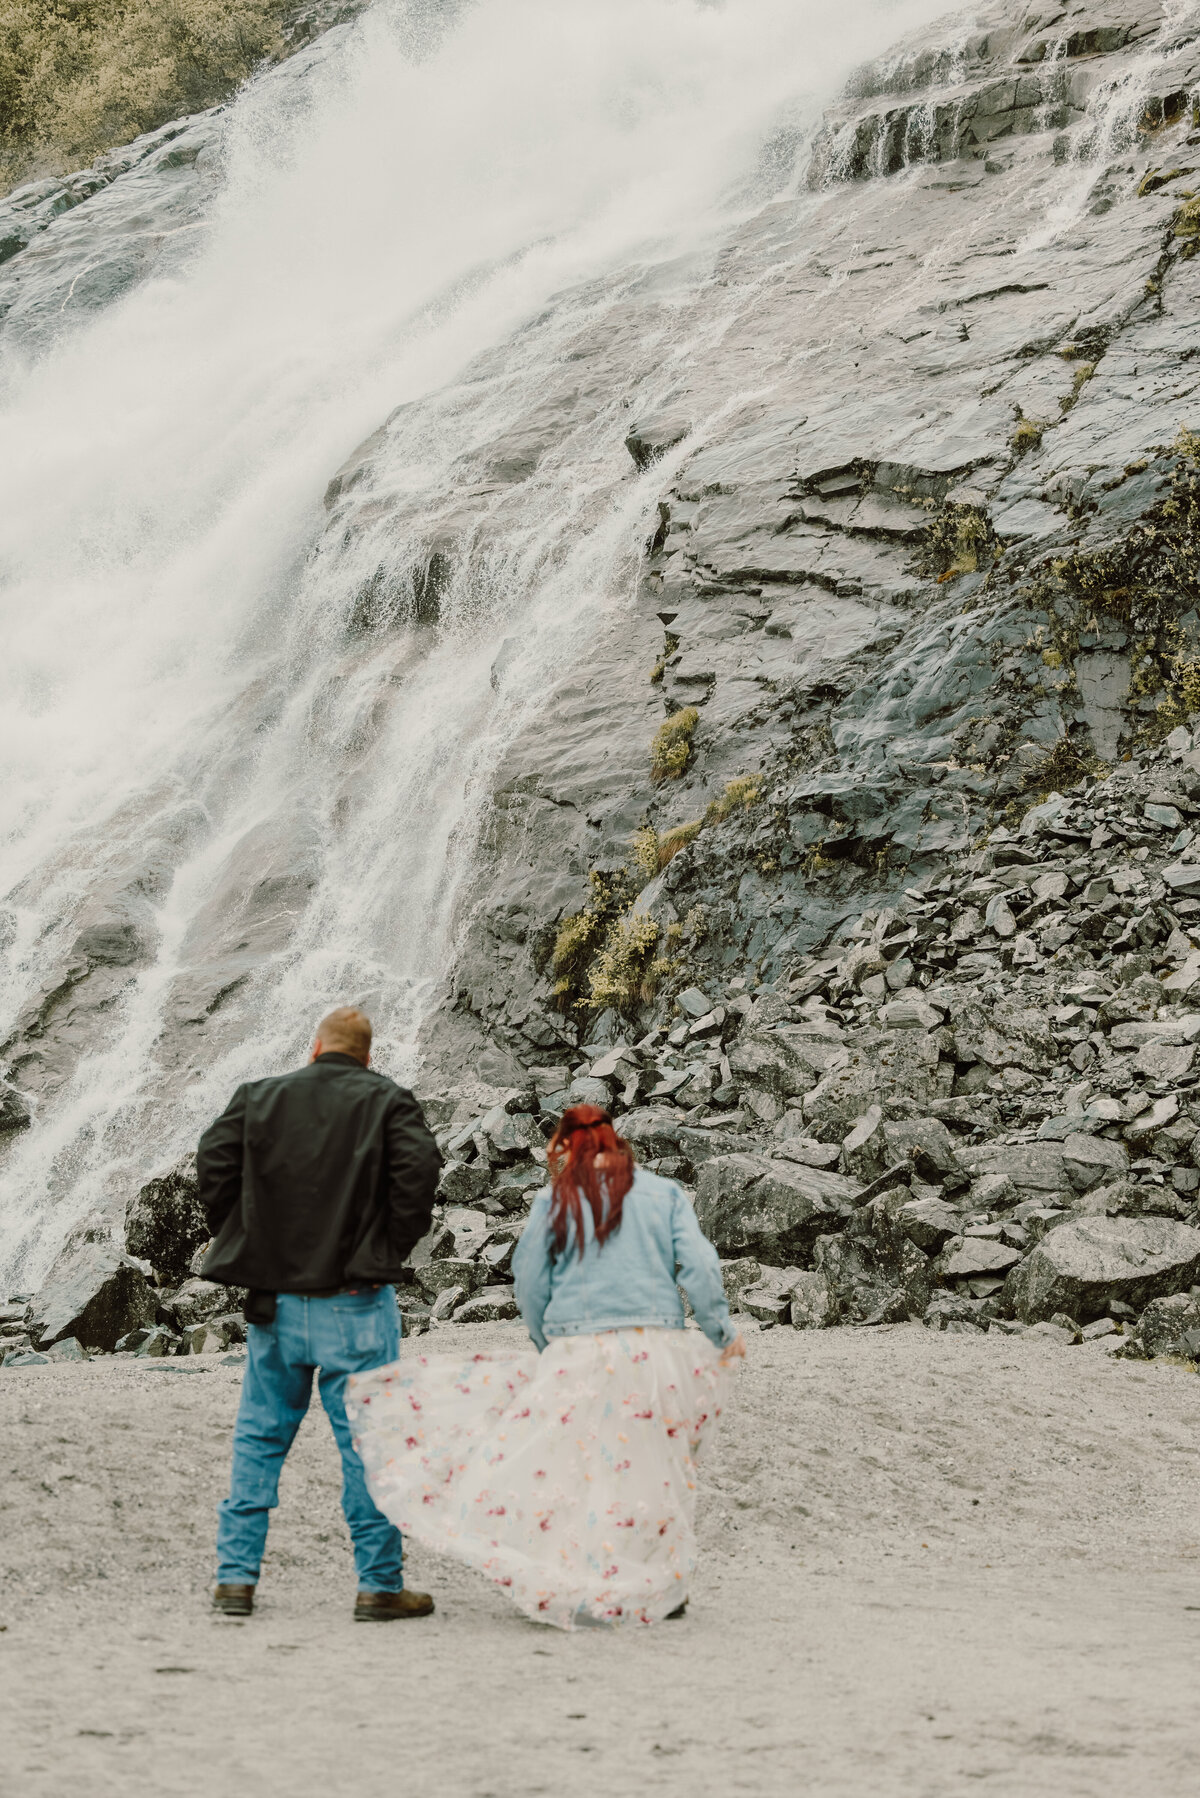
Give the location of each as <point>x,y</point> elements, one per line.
<point>446,1304</point>
<point>94,1293</point>
<point>1171,1326</point>
<point>436,1245</point>
<point>846,1094</point>
<point>772,1210</point>
<point>928,1223</point>
<point>864,1147</point>
<point>870,1282</point>
<point>927,1143</point>
<point>462,1183</point>
<point>588,1091</point>
<point>955,1313</point>
<point>164,1224</point>
<point>771,1064</point>
<point>1083,1265</point>
<point>769,1300</point>
<point>737,1275</point>
<point>813,1305</point>
<point>1127,1198</point>
<point>1001,1036</point>
<point>198,1301</point>
<point>651,1133</point>
<point>510,1136</point>
<point>214,1336</point>
<point>493,1305</point>
<point>974,1257</point>
<point>1032,1168</point>
<point>1092,1160</point>
<point>438,1277</point>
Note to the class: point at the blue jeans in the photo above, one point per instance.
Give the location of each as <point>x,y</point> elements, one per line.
<point>349,1333</point>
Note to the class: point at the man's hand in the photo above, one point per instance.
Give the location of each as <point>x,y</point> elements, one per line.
<point>734,1351</point>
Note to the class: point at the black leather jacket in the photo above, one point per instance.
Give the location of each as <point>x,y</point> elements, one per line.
<point>315,1178</point>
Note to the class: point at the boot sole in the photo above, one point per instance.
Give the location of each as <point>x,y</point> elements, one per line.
<point>393,1617</point>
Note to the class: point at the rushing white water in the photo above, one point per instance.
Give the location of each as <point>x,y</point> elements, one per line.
<point>178,686</point>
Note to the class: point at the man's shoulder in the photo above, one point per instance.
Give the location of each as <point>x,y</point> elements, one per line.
<point>315,1071</point>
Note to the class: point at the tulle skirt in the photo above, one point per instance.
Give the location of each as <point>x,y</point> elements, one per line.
<point>568,1478</point>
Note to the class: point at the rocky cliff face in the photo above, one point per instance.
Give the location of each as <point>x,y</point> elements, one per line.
<point>874,525</point>
<point>942,559</point>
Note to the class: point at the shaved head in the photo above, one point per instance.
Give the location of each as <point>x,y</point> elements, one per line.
<point>346,1031</point>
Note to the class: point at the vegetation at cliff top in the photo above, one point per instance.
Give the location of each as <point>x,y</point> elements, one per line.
<point>80,76</point>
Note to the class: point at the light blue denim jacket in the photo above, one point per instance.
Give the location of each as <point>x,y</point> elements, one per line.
<point>629,1280</point>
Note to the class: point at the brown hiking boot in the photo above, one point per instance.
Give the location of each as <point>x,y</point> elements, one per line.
<point>233,1601</point>
<point>385,1607</point>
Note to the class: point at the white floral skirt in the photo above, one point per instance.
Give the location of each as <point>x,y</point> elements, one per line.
<point>568,1478</point>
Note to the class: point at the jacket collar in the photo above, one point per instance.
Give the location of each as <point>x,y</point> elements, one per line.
<point>335,1058</point>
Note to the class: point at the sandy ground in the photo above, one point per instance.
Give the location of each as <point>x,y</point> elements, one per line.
<point>933,1565</point>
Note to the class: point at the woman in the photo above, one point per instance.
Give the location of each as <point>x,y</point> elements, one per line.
<point>568,1477</point>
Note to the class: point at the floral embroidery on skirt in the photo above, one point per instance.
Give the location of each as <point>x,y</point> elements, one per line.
<point>568,1478</point>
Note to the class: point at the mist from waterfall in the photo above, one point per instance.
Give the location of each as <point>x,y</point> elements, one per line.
<point>180,677</point>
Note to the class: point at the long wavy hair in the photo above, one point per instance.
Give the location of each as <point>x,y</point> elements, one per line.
<point>584,1133</point>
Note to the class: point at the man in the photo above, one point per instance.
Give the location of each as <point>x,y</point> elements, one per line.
<point>316,1186</point>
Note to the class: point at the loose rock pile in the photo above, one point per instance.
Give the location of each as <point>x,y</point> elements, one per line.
<point>979,1107</point>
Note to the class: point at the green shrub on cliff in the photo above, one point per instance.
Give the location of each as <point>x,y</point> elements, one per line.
<point>672,746</point>
<point>78,76</point>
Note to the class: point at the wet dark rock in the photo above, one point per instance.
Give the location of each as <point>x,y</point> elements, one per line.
<point>650,440</point>
<point>14,1110</point>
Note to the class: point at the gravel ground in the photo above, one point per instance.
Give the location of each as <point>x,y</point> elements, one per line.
<point>933,1564</point>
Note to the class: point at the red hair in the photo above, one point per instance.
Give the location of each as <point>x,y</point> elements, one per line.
<point>585,1132</point>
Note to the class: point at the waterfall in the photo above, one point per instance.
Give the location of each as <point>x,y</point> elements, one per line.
<point>205,692</point>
